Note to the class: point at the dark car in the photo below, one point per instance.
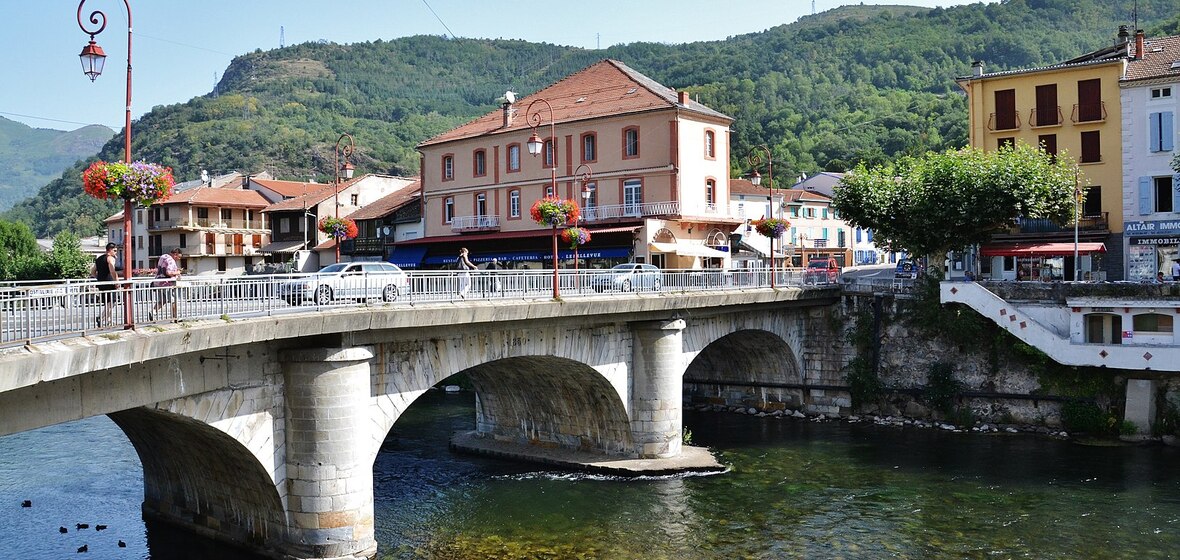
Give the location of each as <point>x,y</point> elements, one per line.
<point>821,271</point>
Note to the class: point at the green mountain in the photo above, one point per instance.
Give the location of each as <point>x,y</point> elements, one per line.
<point>31,157</point>
<point>860,83</point>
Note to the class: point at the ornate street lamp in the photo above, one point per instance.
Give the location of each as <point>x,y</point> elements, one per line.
<point>535,146</point>
<point>343,150</point>
<point>93,58</point>
<point>584,178</point>
<point>755,158</point>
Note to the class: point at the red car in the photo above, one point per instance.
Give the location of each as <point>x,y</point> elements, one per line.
<point>821,271</point>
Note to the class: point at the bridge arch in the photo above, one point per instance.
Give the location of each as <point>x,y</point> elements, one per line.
<point>751,356</point>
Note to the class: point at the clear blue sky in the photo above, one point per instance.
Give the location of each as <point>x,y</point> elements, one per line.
<point>179,46</point>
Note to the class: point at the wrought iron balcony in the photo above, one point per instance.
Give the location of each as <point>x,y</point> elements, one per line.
<point>1051,117</point>
<point>995,123</point>
<point>1089,112</point>
<point>1098,222</point>
<point>475,223</point>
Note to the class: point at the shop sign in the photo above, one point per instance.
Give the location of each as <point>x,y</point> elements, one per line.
<point>1152,228</point>
<point>1157,240</point>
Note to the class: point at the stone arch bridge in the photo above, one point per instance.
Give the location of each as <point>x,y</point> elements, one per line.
<point>263,432</point>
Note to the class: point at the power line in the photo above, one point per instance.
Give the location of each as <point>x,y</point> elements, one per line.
<point>185,44</point>
<point>57,120</point>
<point>444,24</point>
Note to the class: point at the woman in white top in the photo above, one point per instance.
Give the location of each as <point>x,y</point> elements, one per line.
<point>464,277</point>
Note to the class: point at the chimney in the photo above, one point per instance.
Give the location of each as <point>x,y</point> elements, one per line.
<point>682,97</point>
<point>1139,51</point>
<point>1124,37</point>
<point>977,69</point>
<point>508,114</point>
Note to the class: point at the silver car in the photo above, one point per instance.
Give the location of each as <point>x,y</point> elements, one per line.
<point>341,281</point>
<point>628,277</point>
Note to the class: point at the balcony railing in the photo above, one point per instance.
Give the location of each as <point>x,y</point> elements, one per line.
<point>1099,222</point>
<point>640,210</point>
<point>1089,112</point>
<point>475,223</point>
<point>995,123</point>
<point>1050,117</point>
<point>205,223</point>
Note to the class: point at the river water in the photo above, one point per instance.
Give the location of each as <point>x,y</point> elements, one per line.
<point>796,489</point>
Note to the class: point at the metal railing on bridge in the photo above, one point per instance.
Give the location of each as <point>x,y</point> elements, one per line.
<point>39,311</point>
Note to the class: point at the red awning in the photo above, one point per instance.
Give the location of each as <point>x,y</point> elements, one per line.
<point>1041,249</point>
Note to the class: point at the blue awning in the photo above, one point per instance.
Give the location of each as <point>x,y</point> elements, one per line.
<point>407,256</point>
<point>541,256</point>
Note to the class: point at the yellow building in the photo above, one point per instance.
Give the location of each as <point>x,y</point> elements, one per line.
<point>1073,109</point>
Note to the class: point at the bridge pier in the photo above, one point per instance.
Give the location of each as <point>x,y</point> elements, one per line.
<point>656,393</point>
<point>329,482</point>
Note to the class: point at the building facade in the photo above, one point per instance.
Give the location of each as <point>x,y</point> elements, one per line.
<point>1071,109</point>
<point>1150,95</point>
<point>649,166</point>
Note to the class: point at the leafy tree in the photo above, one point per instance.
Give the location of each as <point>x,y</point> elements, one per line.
<point>941,201</point>
<point>67,259</point>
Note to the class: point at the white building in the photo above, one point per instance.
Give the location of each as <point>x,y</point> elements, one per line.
<point>1150,100</point>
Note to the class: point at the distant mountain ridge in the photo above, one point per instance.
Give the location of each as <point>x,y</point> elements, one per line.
<point>31,157</point>
<point>859,83</point>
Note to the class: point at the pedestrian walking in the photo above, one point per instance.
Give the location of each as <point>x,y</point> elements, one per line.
<point>104,273</point>
<point>465,266</point>
<point>167,271</point>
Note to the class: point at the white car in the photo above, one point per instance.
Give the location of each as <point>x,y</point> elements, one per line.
<point>354,280</point>
<point>628,277</point>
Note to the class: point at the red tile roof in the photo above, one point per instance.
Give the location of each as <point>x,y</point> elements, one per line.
<point>387,204</point>
<point>288,189</point>
<point>1158,58</point>
<point>221,197</point>
<point>323,192</point>
<point>744,186</point>
<point>603,89</point>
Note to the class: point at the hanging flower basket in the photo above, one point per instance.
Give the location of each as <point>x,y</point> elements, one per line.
<point>575,236</point>
<point>771,227</point>
<point>338,228</point>
<point>553,211</point>
<point>141,182</point>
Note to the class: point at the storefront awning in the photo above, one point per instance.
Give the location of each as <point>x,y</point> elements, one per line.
<point>1041,249</point>
<point>282,247</point>
<point>407,256</point>
<point>686,250</point>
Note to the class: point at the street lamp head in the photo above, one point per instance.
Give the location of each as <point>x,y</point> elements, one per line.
<point>535,143</point>
<point>756,178</point>
<point>349,169</point>
<point>92,59</point>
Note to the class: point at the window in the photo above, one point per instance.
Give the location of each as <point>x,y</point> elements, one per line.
<point>1091,147</point>
<point>202,213</point>
<point>1159,127</point>
<point>448,209</point>
<point>479,163</point>
<point>1048,143</point>
<point>1047,112</point>
<point>1006,142</point>
<point>549,153</point>
<point>710,142</point>
<point>1161,92</point>
<point>481,204</point>
<point>548,190</point>
<point>1092,208</point>
<point>1157,194</point>
<point>1005,109</point>
<point>1089,100</point>
<point>448,167</point>
<point>1153,322</point>
<point>823,214</point>
<point>513,158</point>
<point>589,148</point>
<point>869,235</point>
<point>630,143</point>
<point>710,191</point>
<point>514,204</point>
<point>184,240</point>
<point>592,200</point>
<point>227,214</point>
<point>632,196</point>
<point>354,199</point>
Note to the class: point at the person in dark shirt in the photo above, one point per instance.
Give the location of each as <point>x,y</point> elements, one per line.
<point>104,272</point>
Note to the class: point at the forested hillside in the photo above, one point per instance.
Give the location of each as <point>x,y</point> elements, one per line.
<point>861,83</point>
<point>31,157</point>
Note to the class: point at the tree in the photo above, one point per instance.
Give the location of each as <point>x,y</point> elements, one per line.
<point>941,201</point>
<point>67,259</point>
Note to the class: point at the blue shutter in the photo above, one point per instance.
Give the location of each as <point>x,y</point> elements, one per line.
<point>1153,121</point>
<point>858,235</point>
<point>1145,199</point>
<point>869,234</point>
<point>1176,192</point>
<point>1166,133</point>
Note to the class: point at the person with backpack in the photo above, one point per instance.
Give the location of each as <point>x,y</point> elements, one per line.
<point>104,273</point>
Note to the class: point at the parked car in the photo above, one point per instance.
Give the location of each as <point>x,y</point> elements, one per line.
<point>628,277</point>
<point>355,280</point>
<point>822,270</point>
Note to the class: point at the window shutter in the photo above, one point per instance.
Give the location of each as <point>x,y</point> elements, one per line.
<point>1176,192</point>
<point>1166,133</point>
<point>1145,201</point>
<point>1153,137</point>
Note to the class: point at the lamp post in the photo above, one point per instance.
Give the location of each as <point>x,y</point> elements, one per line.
<point>535,146</point>
<point>1077,195</point>
<point>345,149</point>
<point>582,177</point>
<point>755,158</point>
<point>93,58</point>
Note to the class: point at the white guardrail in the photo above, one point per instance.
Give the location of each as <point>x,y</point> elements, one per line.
<point>44,310</point>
